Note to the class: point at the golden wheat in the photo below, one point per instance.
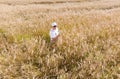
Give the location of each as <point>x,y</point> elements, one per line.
<point>89,45</point>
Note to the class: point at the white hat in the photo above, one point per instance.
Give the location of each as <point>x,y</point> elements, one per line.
<point>54,24</point>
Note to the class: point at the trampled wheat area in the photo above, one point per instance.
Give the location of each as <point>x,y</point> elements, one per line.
<point>89,45</point>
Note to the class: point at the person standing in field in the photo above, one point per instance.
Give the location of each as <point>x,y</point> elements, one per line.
<point>54,34</point>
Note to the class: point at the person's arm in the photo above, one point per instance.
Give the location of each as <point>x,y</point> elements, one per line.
<point>54,39</point>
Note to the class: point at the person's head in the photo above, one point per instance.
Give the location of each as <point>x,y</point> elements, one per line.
<point>54,25</point>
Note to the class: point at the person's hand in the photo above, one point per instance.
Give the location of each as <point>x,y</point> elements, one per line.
<point>54,39</point>
<point>58,35</point>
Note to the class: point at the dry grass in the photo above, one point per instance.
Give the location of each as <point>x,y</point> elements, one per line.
<point>89,46</point>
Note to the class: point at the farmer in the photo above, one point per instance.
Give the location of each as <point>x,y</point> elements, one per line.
<point>54,34</point>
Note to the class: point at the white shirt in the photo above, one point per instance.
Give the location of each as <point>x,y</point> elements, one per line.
<point>54,33</point>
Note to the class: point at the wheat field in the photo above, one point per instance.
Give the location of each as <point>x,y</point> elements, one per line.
<point>88,46</point>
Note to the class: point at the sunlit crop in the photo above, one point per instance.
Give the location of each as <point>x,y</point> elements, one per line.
<point>88,46</point>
